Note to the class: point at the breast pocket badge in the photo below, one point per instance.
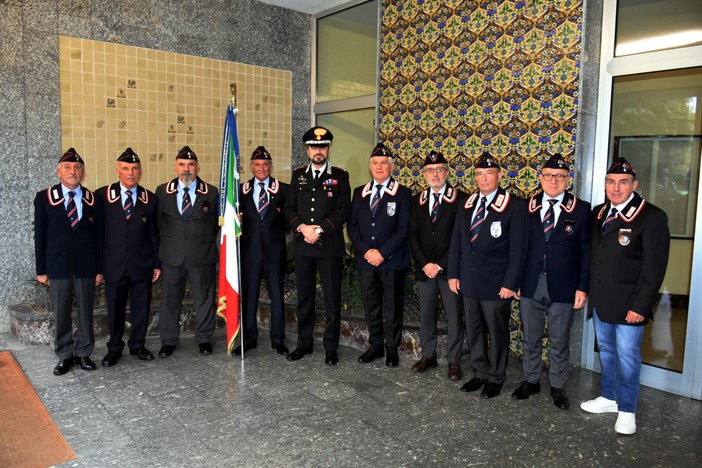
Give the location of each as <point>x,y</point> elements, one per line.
<point>496,229</point>
<point>624,237</point>
<point>392,206</point>
<point>569,227</point>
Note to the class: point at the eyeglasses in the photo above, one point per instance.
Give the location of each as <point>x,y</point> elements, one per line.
<point>435,170</point>
<point>559,177</point>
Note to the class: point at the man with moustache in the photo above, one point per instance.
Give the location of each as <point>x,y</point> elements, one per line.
<point>188,223</point>
<point>630,246</point>
<point>263,251</point>
<point>486,258</point>
<point>317,206</point>
<point>555,278</point>
<point>432,216</point>
<point>68,248</point>
<point>378,231</point>
<point>130,257</point>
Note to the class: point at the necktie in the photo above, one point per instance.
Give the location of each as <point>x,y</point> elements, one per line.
<point>187,205</point>
<point>478,220</point>
<point>612,216</point>
<point>548,219</point>
<point>316,174</point>
<point>262,200</point>
<point>375,203</point>
<point>72,210</point>
<point>435,209</point>
<point>128,205</point>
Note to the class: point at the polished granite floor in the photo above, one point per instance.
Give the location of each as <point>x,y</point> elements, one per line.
<point>264,411</point>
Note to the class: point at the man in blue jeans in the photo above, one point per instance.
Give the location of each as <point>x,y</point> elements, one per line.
<point>630,244</point>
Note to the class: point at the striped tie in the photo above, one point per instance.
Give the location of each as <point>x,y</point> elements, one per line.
<point>548,219</point>
<point>128,205</point>
<point>612,216</point>
<point>435,209</point>
<point>187,204</point>
<point>72,210</point>
<point>375,203</point>
<point>478,220</point>
<point>262,200</point>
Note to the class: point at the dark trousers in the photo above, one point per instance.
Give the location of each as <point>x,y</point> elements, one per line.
<point>251,274</point>
<point>330,270</point>
<point>202,283</point>
<point>429,291</point>
<point>62,292</point>
<point>383,301</point>
<point>560,316</point>
<point>116,293</point>
<point>488,322</point>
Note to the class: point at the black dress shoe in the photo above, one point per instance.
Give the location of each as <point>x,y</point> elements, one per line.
<point>473,385</point>
<point>86,363</point>
<point>393,360</point>
<point>560,399</point>
<point>63,366</point>
<point>331,358</point>
<point>371,355</point>
<point>205,349</point>
<point>526,390</point>
<point>142,353</point>
<point>298,354</point>
<point>280,348</point>
<point>111,359</point>
<point>247,348</point>
<point>491,390</point>
<point>166,351</point>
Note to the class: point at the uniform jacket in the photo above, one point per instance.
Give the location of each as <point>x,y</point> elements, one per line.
<point>62,252</point>
<point>324,201</point>
<point>497,258</point>
<point>387,231</point>
<point>194,240</point>
<point>263,240</point>
<point>628,262</point>
<point>130,245</point>
<point>429,242</point>
<point>567,250</point>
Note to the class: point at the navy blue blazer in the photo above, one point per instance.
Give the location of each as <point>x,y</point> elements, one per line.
<point>429,242</point>
<point>129,245</point>
<point>567,250</point>
<point>387,232</point>
<point>496,260</point>
<point>263,240</point>
<point>62,252</point>
<point>628,263</point>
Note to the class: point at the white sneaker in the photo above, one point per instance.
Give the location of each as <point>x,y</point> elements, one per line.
<point>626,423</point>
<point>599,405</point>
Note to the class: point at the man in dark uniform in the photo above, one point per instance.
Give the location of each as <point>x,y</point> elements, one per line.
<point>378,231</point>
<point>630,245</point>
<point>432,216</point>
<point>68,249</point>
<point>187,220</point>
<point>486,258</point>
<point>263,252</point>
<point>130,257</point>
<point>555,278</point>
<point>317,207</point>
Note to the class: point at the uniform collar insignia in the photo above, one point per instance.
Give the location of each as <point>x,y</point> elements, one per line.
<point>55,195</point>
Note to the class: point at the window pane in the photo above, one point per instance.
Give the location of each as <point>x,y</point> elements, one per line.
<point>648,25</point>
<point>347,50</point>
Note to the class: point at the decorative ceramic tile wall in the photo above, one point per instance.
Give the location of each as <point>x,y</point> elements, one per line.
<point>114,96</point>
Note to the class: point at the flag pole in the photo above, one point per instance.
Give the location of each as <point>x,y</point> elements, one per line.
<point>233,103</point>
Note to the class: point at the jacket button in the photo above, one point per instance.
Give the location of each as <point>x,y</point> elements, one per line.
<point>311,209</point>
<point>311,220</point>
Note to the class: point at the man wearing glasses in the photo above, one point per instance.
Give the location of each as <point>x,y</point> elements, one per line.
<point>432,216</point>
<point>555,279</point>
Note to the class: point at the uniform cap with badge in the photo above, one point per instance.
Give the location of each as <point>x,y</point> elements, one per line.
<point>487,161</point>
<point>621,166</point>
<point>71,155</point>
<point>435,157</point>
<point>128,156</point>
<point>261,153</point>
<point>556,162</point>
<point>318,136</point>
<point>186,153</point>
<point>380,150</point>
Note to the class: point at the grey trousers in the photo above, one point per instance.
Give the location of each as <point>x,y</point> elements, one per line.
<point>62,292</point>
<point>429,291</point>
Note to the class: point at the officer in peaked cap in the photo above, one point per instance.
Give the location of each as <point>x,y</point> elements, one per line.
<point>486,258</point>
<point>555,277</point>
<point>317,207</point>
<point>263,250</point>
<point>432,217</point>
<point>630,246</point>
<point>68,234</point>
<point>130,257</point>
